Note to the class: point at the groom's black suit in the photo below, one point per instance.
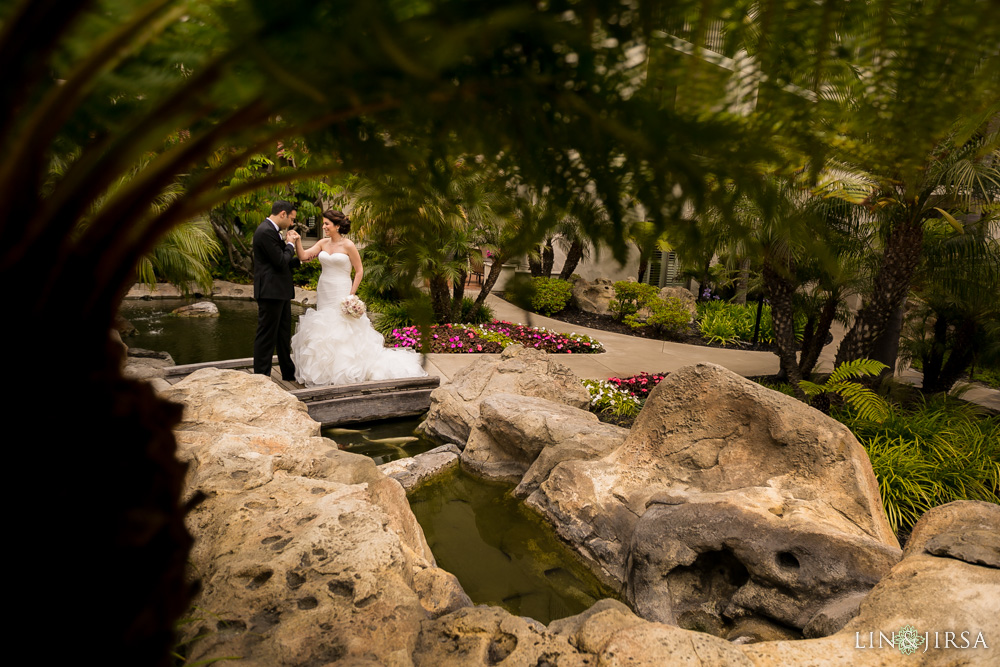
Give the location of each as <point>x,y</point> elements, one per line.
<point>273,261</point>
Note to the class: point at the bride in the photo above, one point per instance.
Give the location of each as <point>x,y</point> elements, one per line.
<point>330,347</point>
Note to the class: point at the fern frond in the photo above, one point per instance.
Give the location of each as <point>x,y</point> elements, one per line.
<point>856,369</point>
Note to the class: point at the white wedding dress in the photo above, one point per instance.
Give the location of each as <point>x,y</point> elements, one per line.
<point>330,347</point>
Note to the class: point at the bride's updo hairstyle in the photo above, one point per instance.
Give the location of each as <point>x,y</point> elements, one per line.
<point>338,218</point>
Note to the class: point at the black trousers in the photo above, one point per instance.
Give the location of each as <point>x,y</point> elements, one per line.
<point>274,331</point>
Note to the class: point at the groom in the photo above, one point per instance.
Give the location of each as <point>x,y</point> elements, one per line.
<point>273,261</point>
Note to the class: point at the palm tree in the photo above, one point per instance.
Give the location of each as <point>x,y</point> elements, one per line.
<point>420,231</point>
<point>960,175</point>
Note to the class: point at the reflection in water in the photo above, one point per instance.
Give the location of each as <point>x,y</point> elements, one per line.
<point>358,439</point>
<point>190,340</point>
<point>500,551</point>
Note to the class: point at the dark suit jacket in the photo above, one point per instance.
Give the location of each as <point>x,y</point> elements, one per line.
<point>273,261</point>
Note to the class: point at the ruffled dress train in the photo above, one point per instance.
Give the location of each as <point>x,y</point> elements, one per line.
<point>330,347</point>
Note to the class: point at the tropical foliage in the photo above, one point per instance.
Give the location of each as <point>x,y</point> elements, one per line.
<point>864,402</point>
<point>934,452</point>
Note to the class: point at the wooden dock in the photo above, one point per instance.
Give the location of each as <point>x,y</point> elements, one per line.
<point>338,404</point>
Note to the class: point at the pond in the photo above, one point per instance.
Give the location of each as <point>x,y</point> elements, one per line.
<point>190,340</point>
<point>502,552</point>
<point>364,439</point>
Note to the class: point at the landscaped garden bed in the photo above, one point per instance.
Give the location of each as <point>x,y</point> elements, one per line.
<point>717,323</point>
<point>491,337</point>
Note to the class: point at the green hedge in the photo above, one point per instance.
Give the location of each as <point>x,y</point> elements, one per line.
<point>550,295</point>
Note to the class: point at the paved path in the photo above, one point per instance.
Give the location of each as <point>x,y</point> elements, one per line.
<point>628,355</point>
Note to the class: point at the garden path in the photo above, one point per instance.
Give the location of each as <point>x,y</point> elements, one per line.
<point>628,355</point>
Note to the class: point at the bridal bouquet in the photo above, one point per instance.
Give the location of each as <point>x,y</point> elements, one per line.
<point>353,307</point>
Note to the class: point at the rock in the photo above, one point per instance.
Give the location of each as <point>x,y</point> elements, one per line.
<point>225,397</point>
<point>968,530</point>
<point>222,289</point>
<point>527,372</point>
<point>726,499</point>
<point>513,431</point>
<point>439,591</point>
<point>412,471</point>
<point>935,595</point>
<point>310,556</point>
<point>593,297</point>
<point>124,327</point>
<point>200,309</point>
<point>306,554</point>
<point>146,364</point>
<point>684,295</point>
<point>159,291</point>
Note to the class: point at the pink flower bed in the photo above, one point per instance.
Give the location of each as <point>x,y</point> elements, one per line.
<point>638,385</point>
<point>492,337</point>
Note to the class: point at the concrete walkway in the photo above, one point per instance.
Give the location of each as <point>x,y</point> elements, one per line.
<point>628,355</point>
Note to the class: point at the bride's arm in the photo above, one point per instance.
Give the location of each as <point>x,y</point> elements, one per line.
<point>312,253</point>
<point>355,257</point>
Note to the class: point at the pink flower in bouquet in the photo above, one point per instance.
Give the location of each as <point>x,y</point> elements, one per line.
<point>354,307</point>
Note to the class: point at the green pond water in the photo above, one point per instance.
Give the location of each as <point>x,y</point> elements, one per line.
<point>502,552</point>
<point>191,340</point>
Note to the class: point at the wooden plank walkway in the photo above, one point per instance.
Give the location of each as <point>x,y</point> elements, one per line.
<point>337,404</point>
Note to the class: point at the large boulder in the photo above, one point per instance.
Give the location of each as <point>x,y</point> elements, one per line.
<point>519,370</point>
<point>727,501</point>
<point>513,432</point>
<point>306,554</point>
<point>949,602</point>
<point>683,295</point>
<point>593,297</point>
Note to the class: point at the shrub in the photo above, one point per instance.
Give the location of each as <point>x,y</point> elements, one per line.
<point>629,297</point>
<point>391,316</point>
<point>666,316</point>
<point>550,295</point>
<point>307,275</point>
<point>934,453</point>
<point>475,314</point>
<point>865,403</point>
<point>727,323</point>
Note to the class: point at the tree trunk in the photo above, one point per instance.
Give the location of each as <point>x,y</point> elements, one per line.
<point>812,348</point>
<point>573,257</point>
<point>491,279</point>
<point>743,282</point>
<point>535,262</point>
<point>239,255</point>
<point>940,374</point>
<point>886,347</point>
<point>780,291</point>
<point>457,294</point>
<point>892,283</point>
<point>962,351</point>
<point>933,361</point>
<point>548,258</point>
<point>440,299</point>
